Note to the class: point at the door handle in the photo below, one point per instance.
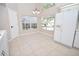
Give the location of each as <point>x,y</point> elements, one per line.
<point>58,26</point>
<point>11,26</point>
<point>0,34</point>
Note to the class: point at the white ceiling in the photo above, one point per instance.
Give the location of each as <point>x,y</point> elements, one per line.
<point>27,8</point>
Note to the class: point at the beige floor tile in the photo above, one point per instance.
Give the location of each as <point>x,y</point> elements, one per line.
<point>38,44</point>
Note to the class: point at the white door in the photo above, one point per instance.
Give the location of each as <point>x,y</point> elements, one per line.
<point>58,25</point>
<point>13,23</point>
<point>68,27</point>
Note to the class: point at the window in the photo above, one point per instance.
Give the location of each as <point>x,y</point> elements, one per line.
<point>29,22</point>
<point>48,23</point>
<point>33,25</point>
<point>48,5</point>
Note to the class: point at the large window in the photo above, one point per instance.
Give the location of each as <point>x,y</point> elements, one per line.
<point>29,22</point>
<point>48,23</point>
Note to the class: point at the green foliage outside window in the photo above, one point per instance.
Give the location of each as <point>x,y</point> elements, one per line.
<point>48,23</point>
<point>48,5</point>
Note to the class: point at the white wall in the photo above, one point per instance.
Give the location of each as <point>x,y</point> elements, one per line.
<point>4,21</point>
<point>12,6</point>
<point>25,9</point>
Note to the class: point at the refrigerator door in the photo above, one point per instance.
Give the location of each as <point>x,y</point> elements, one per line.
<point>69,27</point>
<point>76,41</point>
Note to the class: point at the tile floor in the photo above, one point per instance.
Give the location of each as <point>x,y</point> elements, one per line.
<point>38,44</point>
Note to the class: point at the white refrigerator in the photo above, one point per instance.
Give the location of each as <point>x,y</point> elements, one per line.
<point>65,27</point>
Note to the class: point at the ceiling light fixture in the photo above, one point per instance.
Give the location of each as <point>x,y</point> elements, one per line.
<point>36,11</point>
